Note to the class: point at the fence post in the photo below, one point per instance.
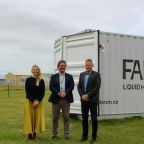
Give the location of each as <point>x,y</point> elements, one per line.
<point>8,90</point>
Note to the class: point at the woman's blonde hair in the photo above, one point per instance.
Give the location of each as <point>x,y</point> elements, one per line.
<point>39,74</point>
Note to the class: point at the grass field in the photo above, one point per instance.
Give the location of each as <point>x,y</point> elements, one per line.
<point>124,131</point>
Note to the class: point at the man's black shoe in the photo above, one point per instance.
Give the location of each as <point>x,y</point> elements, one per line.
<point>83,139</point>
<point>53,137</point>
<point>67,138</point>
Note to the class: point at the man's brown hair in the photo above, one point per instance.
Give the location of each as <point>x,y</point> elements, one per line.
<point>89,60</point>
<point>61,61</point>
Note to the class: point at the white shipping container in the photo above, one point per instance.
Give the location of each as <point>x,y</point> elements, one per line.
<point>120,60</point>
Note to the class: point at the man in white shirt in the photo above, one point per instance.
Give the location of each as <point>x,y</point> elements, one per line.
<point>61,86</point>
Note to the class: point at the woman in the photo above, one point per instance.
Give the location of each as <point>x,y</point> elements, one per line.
<point>34,120</point>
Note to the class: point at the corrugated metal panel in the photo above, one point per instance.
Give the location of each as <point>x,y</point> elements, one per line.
<point>114,88</point>
<point>57,52</point>
<point>78,48</point>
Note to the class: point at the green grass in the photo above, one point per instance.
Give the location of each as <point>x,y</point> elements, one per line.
<point>123,131</point>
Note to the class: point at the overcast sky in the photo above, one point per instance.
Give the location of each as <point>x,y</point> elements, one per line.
<point>28,28</point>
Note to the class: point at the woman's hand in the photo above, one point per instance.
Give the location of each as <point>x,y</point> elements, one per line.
<point>35,103</point>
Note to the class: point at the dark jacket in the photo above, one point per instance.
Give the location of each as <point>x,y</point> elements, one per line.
<point>93,86</point>
<point>34,92</point>
<point>54,87</point>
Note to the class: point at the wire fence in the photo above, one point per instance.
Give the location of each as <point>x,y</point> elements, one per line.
<point>6,88</point>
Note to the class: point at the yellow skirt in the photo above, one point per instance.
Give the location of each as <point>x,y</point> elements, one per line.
<point>34,118</point>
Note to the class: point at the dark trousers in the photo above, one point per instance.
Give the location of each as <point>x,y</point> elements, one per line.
<point>85,107</point>
<point>65,107</point>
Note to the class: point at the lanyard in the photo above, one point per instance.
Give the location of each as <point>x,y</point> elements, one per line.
<point>62,85</point>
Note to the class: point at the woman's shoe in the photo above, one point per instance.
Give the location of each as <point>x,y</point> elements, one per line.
<point>34,136</point>
<point>29,137</point>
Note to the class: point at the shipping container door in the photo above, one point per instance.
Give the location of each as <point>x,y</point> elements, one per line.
<point>76,49</point>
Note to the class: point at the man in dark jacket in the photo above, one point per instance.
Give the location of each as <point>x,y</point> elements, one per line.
<point>61,86</point>
<point>88,88</point>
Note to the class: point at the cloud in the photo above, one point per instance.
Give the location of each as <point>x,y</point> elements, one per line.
<point>28,28</point>
<point>27,39</point>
